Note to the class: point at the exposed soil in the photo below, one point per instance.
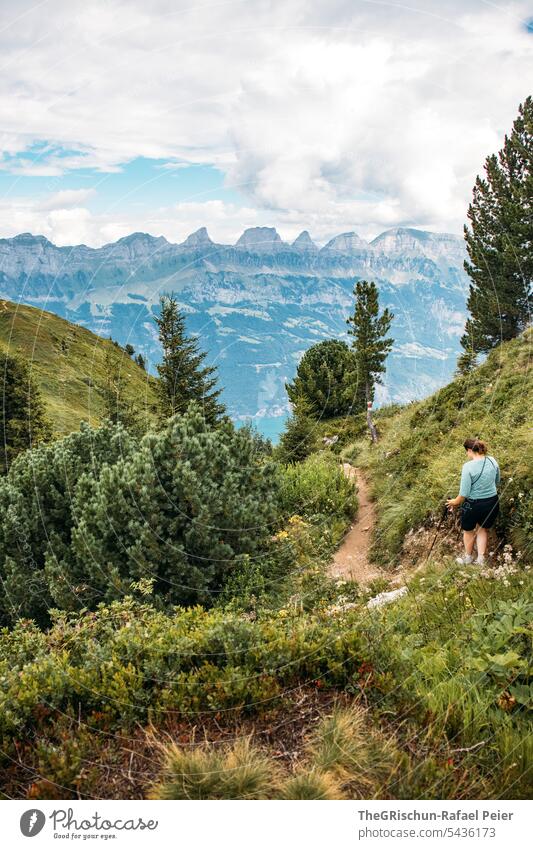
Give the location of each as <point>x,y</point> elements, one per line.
<point>351,559</point>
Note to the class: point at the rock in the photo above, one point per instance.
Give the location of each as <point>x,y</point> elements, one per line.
<point>386,598</point>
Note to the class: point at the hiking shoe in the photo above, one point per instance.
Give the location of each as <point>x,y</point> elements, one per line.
<point>480,561</point>
<point>464,560</point>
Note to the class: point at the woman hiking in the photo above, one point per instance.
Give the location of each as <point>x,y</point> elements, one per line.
<point>478,499</point>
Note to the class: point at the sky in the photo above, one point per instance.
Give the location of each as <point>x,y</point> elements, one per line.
<point>325,115</point>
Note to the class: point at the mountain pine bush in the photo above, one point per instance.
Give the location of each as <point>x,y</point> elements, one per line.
<point>97,514</point>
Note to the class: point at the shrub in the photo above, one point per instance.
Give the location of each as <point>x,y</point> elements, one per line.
<point>317,487</point>
<point>86,518</point>
<point>38,511</point>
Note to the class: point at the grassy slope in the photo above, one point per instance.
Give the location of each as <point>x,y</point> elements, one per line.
<point>418,459</point>
<point>68,364</point>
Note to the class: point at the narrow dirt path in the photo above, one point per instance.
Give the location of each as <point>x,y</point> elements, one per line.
<point>351,558</point>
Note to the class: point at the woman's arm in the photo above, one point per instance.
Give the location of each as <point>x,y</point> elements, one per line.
<point>455,502</point>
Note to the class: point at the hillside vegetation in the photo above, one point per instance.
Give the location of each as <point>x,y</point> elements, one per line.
<point>69,365</point>
<point>282,682</point>
<point>418,460</point>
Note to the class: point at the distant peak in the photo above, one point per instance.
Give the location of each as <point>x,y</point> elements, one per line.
<point>30,239</point>
<point>262,238</point>
<point>198,239</point>
<point>139,237</point>
<point>304,242</point>
<point>347,243</point>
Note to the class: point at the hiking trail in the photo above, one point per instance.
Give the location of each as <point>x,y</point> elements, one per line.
<point>351,559</point>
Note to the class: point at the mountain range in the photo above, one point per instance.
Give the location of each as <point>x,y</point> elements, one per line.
<point>256,305</point>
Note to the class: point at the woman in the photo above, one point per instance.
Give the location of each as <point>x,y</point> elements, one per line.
<point>478,499</point>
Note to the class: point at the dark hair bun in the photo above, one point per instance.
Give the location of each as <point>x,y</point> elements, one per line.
<point>475,445</point>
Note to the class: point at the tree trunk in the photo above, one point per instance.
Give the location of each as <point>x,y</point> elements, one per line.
<point>371,426</point>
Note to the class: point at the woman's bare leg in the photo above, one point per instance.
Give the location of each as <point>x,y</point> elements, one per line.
<point>468,539</point>
<point>482,537</point>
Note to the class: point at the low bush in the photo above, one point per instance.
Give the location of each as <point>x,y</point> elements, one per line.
<point>97,515</point>
<point>317,487</point>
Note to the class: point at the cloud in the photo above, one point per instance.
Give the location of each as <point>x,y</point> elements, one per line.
<point>328,115</point>
<point>65,199</point>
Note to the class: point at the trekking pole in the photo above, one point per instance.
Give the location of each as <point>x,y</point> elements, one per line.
<point>441,520</point>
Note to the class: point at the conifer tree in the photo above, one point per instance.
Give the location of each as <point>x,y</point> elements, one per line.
<point>23,419</point>
<point>323,378</point>
<point>370,343</point>
<point>499,241</point>
<point>141,362</point>
<point>183,377</point>
<point>300,435</point>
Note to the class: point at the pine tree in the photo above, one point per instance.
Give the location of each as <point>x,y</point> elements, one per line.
<point>499,241</point>
<point>130,350</point>
<point>182,376</point>
<point>370,343</point>
<point>323,378</point>
<point>141,362</point>
<point>23,418</point>
<point>299,438</point>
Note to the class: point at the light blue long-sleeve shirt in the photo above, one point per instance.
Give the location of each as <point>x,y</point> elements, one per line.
<point>478,480</point>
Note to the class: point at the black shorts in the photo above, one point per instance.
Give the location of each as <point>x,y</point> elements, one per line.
<point>479,511</point>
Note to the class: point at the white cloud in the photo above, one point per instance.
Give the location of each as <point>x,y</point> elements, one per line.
<point>66,199</point>
<point>327,114</point>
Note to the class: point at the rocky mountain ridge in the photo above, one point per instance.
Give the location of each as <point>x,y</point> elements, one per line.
<point>257,304</point>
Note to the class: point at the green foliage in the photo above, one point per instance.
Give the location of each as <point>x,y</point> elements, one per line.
<point>183,378</point>
<point>85,517</point>
<point>317,487</point>
<point>499,241</point>
<point>68,365</point>
<point>459,648</point>
<point>420,455</point>
<point>38,511</point>
<point>371,345</point>
<point>128,662</point>
<point>324,379</point>
<point>299,438</point>
<point>237,772</point>
<point>23,419</point>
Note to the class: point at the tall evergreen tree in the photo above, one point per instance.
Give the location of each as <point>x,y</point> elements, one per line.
<point>370,343</point>
<point>182,376</point>
<point>23,418</point>
<point>499,241</point>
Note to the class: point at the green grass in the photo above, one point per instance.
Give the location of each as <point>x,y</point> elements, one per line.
<point>68,363</point>
<point>418,460</point>
<point>229,772</point>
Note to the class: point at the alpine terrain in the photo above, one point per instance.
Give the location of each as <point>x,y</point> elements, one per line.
<point>256,305</point>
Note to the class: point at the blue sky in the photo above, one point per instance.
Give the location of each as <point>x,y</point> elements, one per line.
<point>326,115</point>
